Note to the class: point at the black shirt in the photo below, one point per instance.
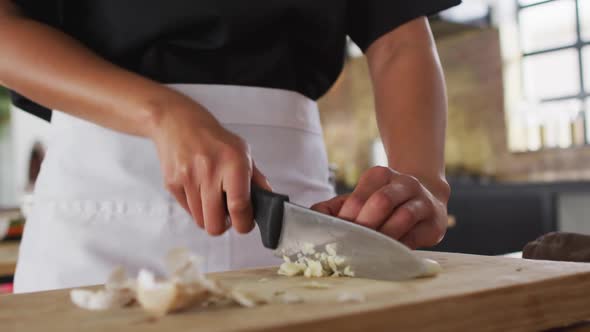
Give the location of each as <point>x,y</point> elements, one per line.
<point>295,45</point>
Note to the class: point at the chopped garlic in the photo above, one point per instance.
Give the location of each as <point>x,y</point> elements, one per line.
<point>314,269</point>
<point>308,248</point>
<point>331,249</point>
<point>339,260</point>
<point>316,264</point>
<point>348,272</point>
<point>291,269</point>
<point>246,299</point>
<point>332,264</point>
<point>351,297</point>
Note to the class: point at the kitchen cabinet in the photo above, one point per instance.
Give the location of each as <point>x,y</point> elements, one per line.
<point>498,218</point>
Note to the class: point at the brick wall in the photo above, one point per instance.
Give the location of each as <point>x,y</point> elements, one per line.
<point>476,136</point>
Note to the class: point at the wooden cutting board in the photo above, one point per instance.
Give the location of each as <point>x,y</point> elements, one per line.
<point>473,293</point>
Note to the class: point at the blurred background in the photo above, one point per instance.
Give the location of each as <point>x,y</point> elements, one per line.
<point>518,153</point>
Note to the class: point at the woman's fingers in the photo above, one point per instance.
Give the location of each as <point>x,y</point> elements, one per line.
<point>330,207</point>
<point>381,204</point>
<point>178,192</point>
<point>193,195</point>
<point>371,181</point>
<point>214,215</point>
<point>259,179</point>
<point>236,185</point>
<point>426,233</point>
<point>405,217</point>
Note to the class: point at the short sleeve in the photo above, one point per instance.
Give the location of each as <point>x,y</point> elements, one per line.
<point>367,20</point>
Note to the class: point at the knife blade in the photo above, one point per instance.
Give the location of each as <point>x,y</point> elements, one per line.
<point>285,227</point>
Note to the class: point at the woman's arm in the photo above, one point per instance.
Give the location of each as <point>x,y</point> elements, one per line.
<point>406,200</point>
<point>57,71</point>
<point>411,103</point>
<point>52,68</point>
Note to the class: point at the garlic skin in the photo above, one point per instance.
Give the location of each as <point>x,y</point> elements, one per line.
<point>119,291</point>
<point>185,287</point>
<point>160,298</point>
<point>89,300</point>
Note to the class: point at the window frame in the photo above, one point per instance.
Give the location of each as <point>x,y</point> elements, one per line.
<point>583,95</point>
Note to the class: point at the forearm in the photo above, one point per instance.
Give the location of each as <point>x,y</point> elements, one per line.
<point>57,71</point>
<point>411,111</point>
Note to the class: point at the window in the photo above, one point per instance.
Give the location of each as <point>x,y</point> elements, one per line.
<point>554,64</point>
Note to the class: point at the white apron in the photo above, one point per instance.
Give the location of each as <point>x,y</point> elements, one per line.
<point>100,199</point>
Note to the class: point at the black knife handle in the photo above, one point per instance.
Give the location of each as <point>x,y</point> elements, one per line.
<point>268,210</point>
<point>268,214</point>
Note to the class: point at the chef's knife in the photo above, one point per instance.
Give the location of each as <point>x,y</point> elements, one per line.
<point>285,227</point>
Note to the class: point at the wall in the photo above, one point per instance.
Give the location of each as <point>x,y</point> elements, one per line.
<point>6,176</point>
<point>477,135</point>
<point>349,121</point>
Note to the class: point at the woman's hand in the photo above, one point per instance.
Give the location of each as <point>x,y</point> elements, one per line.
<point>200,161</point>
<point>395,204</point>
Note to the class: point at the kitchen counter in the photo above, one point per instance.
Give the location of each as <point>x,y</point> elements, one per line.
<point>472,293</point>
<point>8,257</point>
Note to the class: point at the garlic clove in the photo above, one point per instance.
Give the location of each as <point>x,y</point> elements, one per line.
<point>90,300</point>
<point>160,298</point>
<point>432,268</point>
